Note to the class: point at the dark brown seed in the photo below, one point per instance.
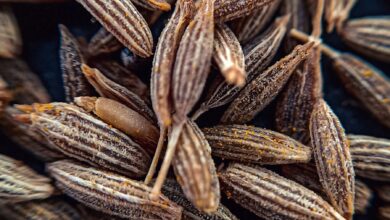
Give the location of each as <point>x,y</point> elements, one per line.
<point>75,82</point>
<point>81,136</point>
<point>25,86</point>
<point>10,40</point>
<point>271,196</point>
<point>5,95</point>
<point>384,192</point>
<point>111,193</point>
<point>371,157</point>
<point>333,159</point>
<point>384,213</point>
<point>363,196</point>
<point>255,145</point>
<point>265,87</point>
<point>103,42</point>
<point>226,10</point>
<point>121,18</point>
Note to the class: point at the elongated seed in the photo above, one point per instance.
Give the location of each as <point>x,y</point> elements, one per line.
<point>333,159</point>
<point>371,157</point>
<point>71,58</point>
<point>123,118</point>
<point>229,56</point>
<point>5,95</point>
<point>110,193</point>
<point>10,40</point>
<point>81,136</point>
<point>20,183</point>
<point>153,4</point>
<point>271,196</point>
<point>369,36</point>
<point>337,12</point>
<point>121,18</point>
<point>265,87</point>
<point>226,10</point>
<point>255,145</point>
<point>103,42</point>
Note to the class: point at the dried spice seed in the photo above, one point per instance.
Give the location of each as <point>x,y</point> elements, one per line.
<point>123,118</point>
<point>153,4</point>
<point>20,183</point>
<point>25,86</point>
<point>121,18</point>
<point>172,190</point>
<point>195,169</point>
<point>363,196</point>
<point>228,56</point>
<point>369,36</point>
<point>332,157</point>
<point>111,193</point>
<point>46,209</point>
<point>371,157</point>
<point>110,89</point>
<point>255,145</point>
<point>5,95</point>
<point>10,39</point>
<point>271,196</point>
<point>71,58</point>
<point>81,136</point>
<point>226,10</point>
<point>246,28</point>
<point>103,42</point>
<point>265,87</point>
<point>384,192</point>
<point>384,212</point>
<point>337,12</point>
<point>258,55</point>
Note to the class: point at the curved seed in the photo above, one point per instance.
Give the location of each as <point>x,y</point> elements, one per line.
<point>271,196</point>
<point>103,42</point>
<point>333,159</point>
<point>226,10</point>
<point>153,4</point>
<point>10,39</point>
<point>121,18</point>
<point>255,145</point>
<point>110,193</point>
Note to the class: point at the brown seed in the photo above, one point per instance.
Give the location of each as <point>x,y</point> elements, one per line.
<point>5,95</point>
<point>384,192</point>
<point>10,40</point>
<point>333,159</point>
<point>336,12</point>
<point>384,212</point>
<point>228,56</point>
<point>25,86</point>
<point>153,5</point>
<point>123,118</point>
<point>172,190</point>
<point>121,18</point>
<point>369,36</point>
<point>363,196</point>
<point>45,209</point>
<point>28,139</point>
<point>258,55</point>
<point>271,196</point>
<point>103,42</point>
<point>81,136</point>
<point>246,28</point>
<point>195,169</point>
<point>71,58</point>
<point>226,10</point>
<point>371,157</point>
<point>110,193</point>
<point>265,87</point>
<point>255,145</point>
<point>20,183</point>
<point>110,89</point>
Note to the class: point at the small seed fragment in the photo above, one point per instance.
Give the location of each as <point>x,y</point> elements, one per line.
<point>10,40</point>
<point>255,145</point>
<point>226,10</point>
<point>271,196</point>
<point>111,193</point>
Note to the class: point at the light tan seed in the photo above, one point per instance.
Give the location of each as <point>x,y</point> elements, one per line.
<point>265,87</point>
<point>228,56</point>
<point>255,145</point>
<point>123,118</point>
<point>121,18</point>
<point>111,193</point>
<point>103,42</point>
<point>371,157</point>
<point>337,12</point>
<point>20,183</point>
<point>81,136</point>
<point>226,10</point>
<point>10,40</point>
<point>369,36</point>
<point>153,5</point>
<point>332,157</point>
<point>248,27</point>
<point>271,196</point>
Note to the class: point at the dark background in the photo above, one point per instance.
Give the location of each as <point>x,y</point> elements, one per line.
<point>39,28</point>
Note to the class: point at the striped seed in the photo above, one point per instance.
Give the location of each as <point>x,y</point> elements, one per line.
<point>10,39</point>
<point>337,12</point>
<point>226,10</point>
<point>255,145</point>
<point>103,42</point>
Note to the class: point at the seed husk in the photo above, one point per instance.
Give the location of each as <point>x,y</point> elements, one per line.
<point>122,19</point>
<point>226,10</point>
<point>103,42</point>
<point>10,40</point>
<point>265,87</point>
<point>271,196</point>
<point>337,12</point>
<point>371,157</point>
<point>333,159</point>
<point>249,144</point>
<point>20,183</point>
<point>110,193</point>
<point>81,136</point>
